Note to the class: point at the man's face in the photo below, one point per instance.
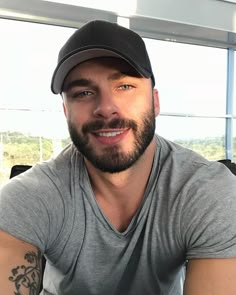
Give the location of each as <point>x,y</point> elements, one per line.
<point>110,113</point>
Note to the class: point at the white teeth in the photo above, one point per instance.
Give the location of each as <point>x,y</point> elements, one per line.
<point>109,134</point>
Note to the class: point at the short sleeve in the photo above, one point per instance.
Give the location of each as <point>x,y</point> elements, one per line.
<point>27,205</point>
<point>208,220</point>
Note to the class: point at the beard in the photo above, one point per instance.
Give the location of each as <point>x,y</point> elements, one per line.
<point>112,159</point>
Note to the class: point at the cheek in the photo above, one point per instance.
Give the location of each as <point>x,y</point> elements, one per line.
<point>76,117</point>
<point>69,111</point>
<point>141,107</point>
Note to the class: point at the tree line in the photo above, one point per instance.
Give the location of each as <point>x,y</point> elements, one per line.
<point>18,148</point>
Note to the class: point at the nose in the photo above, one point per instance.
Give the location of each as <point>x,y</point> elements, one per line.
<point>106,106</point>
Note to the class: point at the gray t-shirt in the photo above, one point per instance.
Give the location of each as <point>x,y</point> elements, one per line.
<point>188,211</point>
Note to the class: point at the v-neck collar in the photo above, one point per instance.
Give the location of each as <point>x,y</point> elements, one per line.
<point>85,184</point>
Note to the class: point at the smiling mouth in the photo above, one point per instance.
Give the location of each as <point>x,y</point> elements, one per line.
<point>109,134</point>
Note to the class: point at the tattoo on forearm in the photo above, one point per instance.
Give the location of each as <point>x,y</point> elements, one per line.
<point>28,277</point>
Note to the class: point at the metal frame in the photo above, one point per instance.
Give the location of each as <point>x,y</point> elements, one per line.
<point>229,105</point>
<point>47,12</point>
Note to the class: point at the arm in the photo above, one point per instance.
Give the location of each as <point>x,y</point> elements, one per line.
<point>211,276</point>
<point>20,266</point>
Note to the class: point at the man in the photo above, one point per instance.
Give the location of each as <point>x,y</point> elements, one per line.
<point>121,210</point>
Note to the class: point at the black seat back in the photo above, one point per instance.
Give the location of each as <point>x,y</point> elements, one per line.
<point>229,164</point>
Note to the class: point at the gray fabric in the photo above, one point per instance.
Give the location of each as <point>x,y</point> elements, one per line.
<point>188,211</point>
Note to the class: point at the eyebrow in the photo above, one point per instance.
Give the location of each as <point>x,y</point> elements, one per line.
<point>77,82</point>
<point>88,83</point>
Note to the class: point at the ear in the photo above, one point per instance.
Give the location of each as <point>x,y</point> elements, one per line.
<point>156,102</point>
<point>64,107</point>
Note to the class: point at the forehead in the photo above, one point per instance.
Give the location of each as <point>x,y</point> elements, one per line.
<point>109,63</point>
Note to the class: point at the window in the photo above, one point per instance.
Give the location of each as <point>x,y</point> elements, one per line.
<point>32,124</point>
<point>191,81</point>
<point>205,136</point>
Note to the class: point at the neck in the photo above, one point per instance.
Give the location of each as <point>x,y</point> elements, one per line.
<point>119,195</point>
<point>118,185</point>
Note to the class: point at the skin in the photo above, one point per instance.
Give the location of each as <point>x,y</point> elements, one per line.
<point>20,267</point>
<point>110,95</point>
<point>92,93</point>
<point>211,277</point>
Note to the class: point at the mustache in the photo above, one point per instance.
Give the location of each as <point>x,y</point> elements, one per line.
<point>115,123</point>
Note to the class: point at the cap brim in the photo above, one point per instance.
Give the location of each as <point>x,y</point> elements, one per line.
<point>64,67</point>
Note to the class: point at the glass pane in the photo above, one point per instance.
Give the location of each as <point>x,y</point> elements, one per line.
<point>32,123</point>
<point>190,79</point>
<point>203,135</point>
<point>28,55</point>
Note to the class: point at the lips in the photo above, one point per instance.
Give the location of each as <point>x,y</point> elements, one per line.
<point>110,136</point>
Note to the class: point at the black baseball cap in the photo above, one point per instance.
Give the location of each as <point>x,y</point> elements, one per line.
<point>101,39</point>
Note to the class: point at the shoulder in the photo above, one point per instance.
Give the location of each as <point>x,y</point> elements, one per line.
<point>39,201</point>
<point>170,149</point>
<point>201,197</point>
<point>193,180</point>
<point>51,178</point>
<point>181,161</point>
